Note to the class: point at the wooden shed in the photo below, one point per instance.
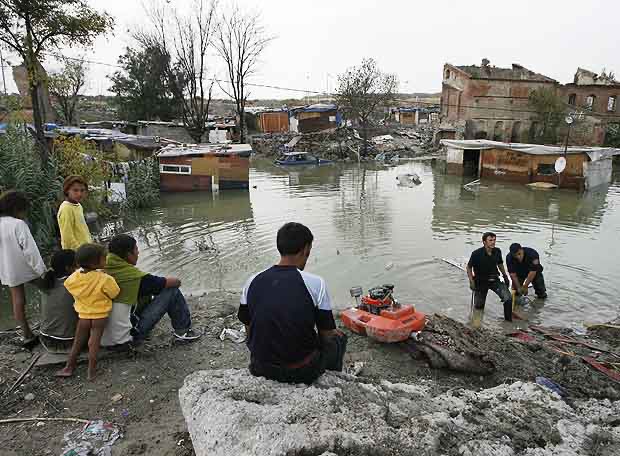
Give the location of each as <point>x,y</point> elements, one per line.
<point>274,122</point>
<point>199,167</point>
<point>586,167</point>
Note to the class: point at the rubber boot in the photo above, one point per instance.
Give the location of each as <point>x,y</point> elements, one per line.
<point>476,318</point>
<point>508,310</point>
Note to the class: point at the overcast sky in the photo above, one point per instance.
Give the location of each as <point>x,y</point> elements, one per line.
<point>315,40</point>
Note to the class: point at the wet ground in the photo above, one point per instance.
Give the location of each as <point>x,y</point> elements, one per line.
<point>148,381</point>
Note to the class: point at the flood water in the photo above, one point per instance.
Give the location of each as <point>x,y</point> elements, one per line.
<point>369,231</point>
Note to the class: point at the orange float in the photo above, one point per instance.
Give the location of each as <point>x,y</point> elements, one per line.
<point>381,317</point>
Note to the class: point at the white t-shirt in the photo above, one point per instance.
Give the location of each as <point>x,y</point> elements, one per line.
<point>20,260</point>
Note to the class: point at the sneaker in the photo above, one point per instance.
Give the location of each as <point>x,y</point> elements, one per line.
<point>188,336</point>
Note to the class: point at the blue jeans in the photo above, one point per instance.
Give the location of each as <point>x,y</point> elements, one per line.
<point>170,301</point>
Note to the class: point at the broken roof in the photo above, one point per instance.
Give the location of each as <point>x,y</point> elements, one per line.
<point>595,153</point>
<point>173,150</point>
<point>517,72</point>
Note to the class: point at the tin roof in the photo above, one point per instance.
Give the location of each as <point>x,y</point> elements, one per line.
<point>595,153</point>
<point>173,150</point>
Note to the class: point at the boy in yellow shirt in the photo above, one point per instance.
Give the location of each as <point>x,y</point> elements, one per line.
<point>74,231</point>
<point>93,291</point>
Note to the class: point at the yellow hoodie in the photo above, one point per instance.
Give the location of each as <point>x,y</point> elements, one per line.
<point>93,292</point>
<point>73,228</point>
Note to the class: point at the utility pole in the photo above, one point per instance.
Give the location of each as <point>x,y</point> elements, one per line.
<point>3,77</point>
<point>569,121</point>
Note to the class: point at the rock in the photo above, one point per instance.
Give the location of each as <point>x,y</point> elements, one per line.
<point>232,412</point>
<point>29,397</point>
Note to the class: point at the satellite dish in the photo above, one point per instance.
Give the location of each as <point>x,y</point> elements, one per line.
<point>560,165</point>
<point>569,119</point>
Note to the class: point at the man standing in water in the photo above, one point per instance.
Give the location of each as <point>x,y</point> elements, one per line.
<point>524,268</point>
<point>483,270</point>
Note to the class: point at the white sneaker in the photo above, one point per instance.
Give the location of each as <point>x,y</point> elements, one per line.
<point>188,336</point>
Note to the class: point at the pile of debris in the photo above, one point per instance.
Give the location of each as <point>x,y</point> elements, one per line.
<point>346,143</point>
<point>581,365</point>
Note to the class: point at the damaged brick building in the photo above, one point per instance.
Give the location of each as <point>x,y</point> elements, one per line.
<point>492,103</point>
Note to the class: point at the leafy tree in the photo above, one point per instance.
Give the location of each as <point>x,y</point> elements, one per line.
<point>612,135</point>
<point>363,89</point>
<point>240,40</point>
<point>143,87</point>
<point>75,155</point>
<point>550,110</point>
<point>32,27</point>
<point>65,87</point>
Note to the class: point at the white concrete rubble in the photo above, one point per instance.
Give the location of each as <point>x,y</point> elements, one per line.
<point>230,412</point>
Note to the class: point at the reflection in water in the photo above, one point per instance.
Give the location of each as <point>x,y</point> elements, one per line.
<point>370,231</point>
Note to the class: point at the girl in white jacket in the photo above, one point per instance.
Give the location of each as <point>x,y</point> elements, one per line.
<point>20,260</point>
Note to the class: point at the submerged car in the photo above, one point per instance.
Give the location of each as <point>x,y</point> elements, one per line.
<point>300,158</point>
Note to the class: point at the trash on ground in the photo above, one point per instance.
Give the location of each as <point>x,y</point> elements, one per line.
<point>549,384</point>
<point>382,139</point>
<point>116,397</point>
<point>94,438</point>
<point>355,368</point>
<point>237,336</point>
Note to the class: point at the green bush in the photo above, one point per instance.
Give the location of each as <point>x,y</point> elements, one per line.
<point>21,170</point>
<point>76,156</point>
<point>142,185</point>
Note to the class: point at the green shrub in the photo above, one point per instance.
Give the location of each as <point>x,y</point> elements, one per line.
<point>143,185</point>
<point>77,156</point>
<point>21,170</point>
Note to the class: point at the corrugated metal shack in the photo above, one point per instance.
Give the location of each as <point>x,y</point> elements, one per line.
<point>315,117</point>
<point>196,167</point>
<point>586,167</point>
<point>412,116</point>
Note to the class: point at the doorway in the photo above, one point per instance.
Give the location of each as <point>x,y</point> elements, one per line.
<point>471,163</point>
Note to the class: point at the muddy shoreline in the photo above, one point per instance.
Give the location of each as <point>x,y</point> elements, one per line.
<point>148,381</point>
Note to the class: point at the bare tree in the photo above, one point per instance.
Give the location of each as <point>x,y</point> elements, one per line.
<point>363,89</point>
<point>65,86</point>
<point>187,40</point>
<point>240,40</point>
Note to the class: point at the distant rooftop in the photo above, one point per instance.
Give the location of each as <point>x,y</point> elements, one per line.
<point>518,72</point>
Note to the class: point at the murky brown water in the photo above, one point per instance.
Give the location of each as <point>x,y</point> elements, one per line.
<point>369,231</point>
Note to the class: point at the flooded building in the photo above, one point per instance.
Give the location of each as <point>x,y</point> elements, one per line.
<point>204,167</point>
<point>586,167</point>
<point>491,101</point>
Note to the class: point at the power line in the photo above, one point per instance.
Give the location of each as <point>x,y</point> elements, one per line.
<point>322,93</point>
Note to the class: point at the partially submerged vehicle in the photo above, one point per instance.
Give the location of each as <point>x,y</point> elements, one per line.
<point>300,158</point>
<point>381,317</point>
<point>408,180</point>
